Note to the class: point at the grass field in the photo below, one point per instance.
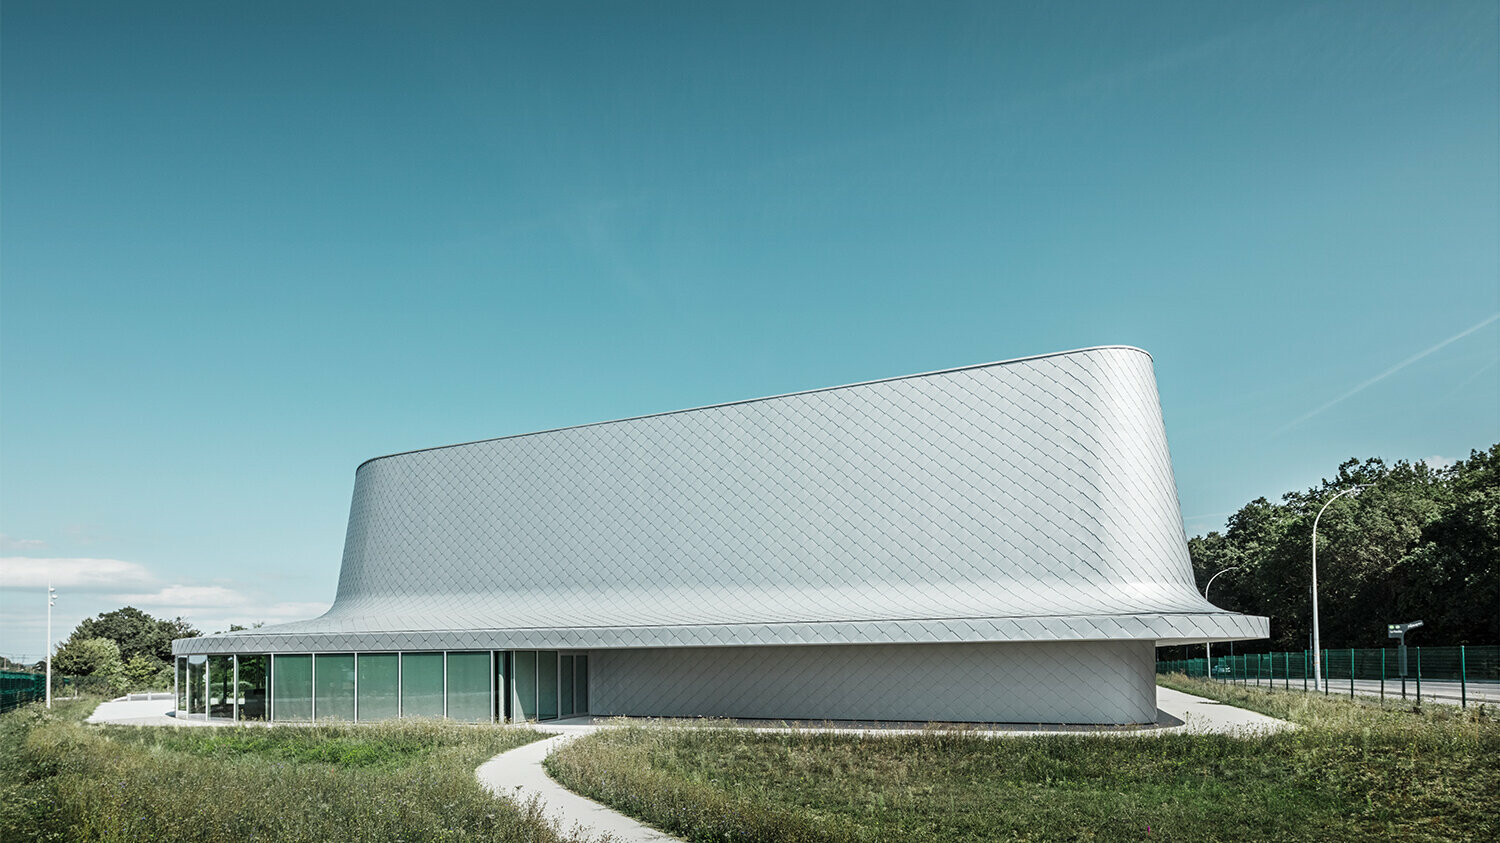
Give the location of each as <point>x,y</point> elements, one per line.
<point>404,781</point>
<point>1352,771</point>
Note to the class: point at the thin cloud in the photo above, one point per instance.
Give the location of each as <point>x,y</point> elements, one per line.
<point>8,543</point>
<point>185,595</point>
<point>1387,373</point>
<point>78,573</point>
<point>210,619</point>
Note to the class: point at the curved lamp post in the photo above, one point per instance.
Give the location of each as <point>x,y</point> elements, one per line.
<point>1317,641</point>
<point>1208,656</point>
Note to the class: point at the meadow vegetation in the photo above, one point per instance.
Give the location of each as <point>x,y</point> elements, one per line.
<point>1351,770</point>
<point>402,781</point>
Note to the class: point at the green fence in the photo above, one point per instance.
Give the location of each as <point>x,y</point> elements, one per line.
<point>18,688</point>
<point>1461,673</point>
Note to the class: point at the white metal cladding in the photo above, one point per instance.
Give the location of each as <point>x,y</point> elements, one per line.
<point>1051,682</point>
<point>1027,500</point>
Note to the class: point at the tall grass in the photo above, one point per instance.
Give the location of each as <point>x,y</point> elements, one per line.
<point>1347,773</point>
<point>405,781</point>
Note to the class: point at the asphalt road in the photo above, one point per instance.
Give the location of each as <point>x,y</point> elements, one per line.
<point>1433,690</point>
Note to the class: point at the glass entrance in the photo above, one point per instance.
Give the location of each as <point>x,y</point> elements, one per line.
<point>197,692</point>
<point>252,685</point>
<point>221,686</point>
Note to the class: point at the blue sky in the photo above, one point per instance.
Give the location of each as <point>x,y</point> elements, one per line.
<point>247,246</point>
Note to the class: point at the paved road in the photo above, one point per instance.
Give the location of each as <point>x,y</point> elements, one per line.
<point>1433,690</point>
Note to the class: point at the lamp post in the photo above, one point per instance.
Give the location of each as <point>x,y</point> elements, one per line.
<point>1317,642</point>
<point>1208,656</point>
<point>51,599</point>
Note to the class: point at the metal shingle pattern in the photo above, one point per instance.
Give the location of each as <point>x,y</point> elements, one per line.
<point>1021,501</point>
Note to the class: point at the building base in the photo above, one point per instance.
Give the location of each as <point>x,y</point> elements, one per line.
<point>1085,682</point>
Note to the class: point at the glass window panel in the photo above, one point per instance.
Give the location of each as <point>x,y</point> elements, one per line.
<point>378,697</point>
<point>182,683</point>
<point>251,690</point>
<point>546,685</point>
<point>221,686</point>
<point>469,687</point>
<point>197,693</point>
<point>525,670</point>
<point>565,700</point>
<point>421,684</point>
<point>335,686</point>
<point>291,687</point>
<point>581,684</point>
<point>502,687</point>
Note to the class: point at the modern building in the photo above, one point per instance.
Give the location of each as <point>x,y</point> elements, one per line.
<point>993,543</point>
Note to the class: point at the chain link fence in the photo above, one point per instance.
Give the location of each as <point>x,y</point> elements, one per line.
<point>18,687</point>
<point>1461,674</point>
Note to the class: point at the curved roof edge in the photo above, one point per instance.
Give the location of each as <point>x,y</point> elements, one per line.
<point>1025,359</point>
<point>1163,628</point>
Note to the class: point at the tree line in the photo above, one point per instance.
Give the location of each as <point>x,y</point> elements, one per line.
<point>125,649</point>
<point>1420,543</point>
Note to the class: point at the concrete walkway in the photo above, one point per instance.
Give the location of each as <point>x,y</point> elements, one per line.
<point>126,712</point>
<point>1200,715</point>
<point>519,774</point>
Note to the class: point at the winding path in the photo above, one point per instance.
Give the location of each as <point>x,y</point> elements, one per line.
<point>519,773</point>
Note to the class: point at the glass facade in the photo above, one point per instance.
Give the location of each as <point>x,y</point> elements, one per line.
<point>291,688</point>
<point>421,684</point>
<point>221,686</point>
<point>581,684</point>
<point>525,685</point>
<point>467,686</point>
<point>565,695</point>
<point>197,694</point>
<point>503,695</point>
<point>546,685</point>
<point>379,677</point>
<point>251,689</point>
<point>333,682</point>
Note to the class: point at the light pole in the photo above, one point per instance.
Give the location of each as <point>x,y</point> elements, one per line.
<point>1317,642</point>
<point>51,599</point>
<point>1208,656</point>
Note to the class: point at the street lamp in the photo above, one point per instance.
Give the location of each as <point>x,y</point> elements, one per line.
<point>1208,656</point>
<point>1317,642</point>
<point>51,600</point>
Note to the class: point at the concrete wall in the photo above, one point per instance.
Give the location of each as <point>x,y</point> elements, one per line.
<point>1051,682</point>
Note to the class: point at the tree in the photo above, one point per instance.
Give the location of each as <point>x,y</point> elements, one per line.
<point>136,632</point>
<point>1420,543</point>
<point>141,671</point>
<point>80,656</point>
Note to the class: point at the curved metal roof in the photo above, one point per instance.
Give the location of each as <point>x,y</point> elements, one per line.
<point>1025,500</point>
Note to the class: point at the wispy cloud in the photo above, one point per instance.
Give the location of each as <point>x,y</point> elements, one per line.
<point>1387,373</point>
<point>77,573</point>
<point>186,595</point>
<point>8,543</point>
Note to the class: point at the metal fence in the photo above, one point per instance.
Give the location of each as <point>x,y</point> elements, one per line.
<point>18,688</point>
<point>1452,674</point>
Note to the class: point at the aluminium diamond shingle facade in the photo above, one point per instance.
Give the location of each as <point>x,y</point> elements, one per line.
<point>994,508</point>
